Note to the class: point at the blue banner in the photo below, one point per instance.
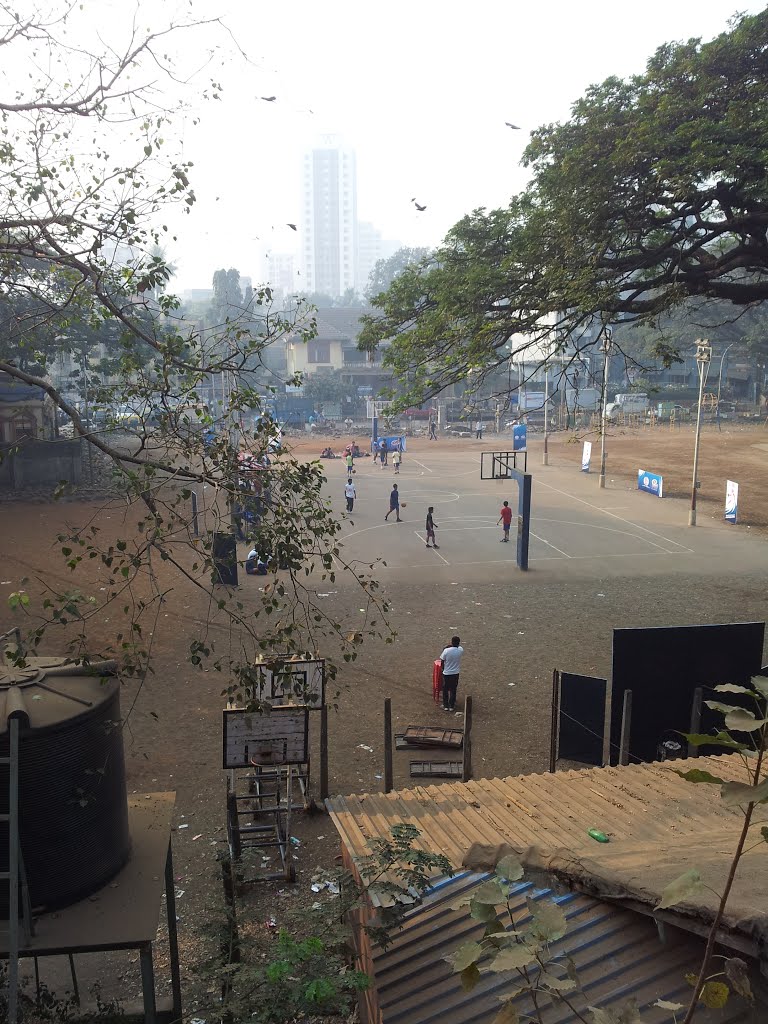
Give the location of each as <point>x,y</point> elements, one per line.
<point>396,443</point>
<point>731,501</point>
<point>651,482</point>
<point>519,437</point>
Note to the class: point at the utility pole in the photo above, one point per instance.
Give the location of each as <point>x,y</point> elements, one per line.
<point>607,344</point>
<point>703,357</point>
<point>545,457</point>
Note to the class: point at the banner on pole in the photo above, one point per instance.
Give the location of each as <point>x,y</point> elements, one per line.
<point>586,456</point>
<point>519,437</point>
<point>651,482</point>
<point>731,500</point>
<point>395,443</point>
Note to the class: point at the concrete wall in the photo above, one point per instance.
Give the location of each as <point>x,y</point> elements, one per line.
<point>34,463</point>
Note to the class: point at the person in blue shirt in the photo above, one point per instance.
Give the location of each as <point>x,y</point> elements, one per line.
<point>394,504</point>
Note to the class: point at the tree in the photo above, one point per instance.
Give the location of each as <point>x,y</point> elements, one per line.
<point>330,386</point>
<point>385,271</point>
<point>79,240</point>
<point>653,192</point>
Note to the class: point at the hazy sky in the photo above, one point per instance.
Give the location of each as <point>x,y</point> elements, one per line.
<point>420,89</point>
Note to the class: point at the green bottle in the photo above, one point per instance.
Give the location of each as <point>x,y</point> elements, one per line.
<point>599,836</point>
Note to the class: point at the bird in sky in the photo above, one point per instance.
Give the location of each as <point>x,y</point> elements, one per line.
<point>510,125</point>
<point>418,205</point>
<point>293,227</point>
<point>269,99</point>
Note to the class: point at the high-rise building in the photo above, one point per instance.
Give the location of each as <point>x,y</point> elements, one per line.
<point>371,248</point>
<point>280,271</point>
<point>329,218</point>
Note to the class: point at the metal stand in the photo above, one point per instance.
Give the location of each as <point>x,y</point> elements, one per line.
<point>260,817</point>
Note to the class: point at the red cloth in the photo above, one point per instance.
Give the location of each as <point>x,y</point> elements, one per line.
<point>506,515</point>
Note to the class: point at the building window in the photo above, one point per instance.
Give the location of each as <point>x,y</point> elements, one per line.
<point>318,351</point>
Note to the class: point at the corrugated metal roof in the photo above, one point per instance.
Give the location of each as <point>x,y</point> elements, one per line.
<point>618,955</point>
<point>643,802</point>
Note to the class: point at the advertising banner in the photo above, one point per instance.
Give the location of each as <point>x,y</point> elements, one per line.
<point>393,444</point>
<point>519,437</point>
<point>651,482</point>
<point>586,456</point>
<point>731,500</point>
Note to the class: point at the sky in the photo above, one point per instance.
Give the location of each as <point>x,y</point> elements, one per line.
<point>421,90</point>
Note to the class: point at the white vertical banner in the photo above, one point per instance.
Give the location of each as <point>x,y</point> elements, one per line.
<point>731,501</point>
<point>586,456</point>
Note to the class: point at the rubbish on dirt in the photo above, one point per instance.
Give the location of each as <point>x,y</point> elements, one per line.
<point>198,836</point>
<point>178,893</point>
<point>511,684</point>
<point>378,776</point>
<point>601,595</point>
<point>295,841</point>
<point>183,826</point>
<point>364,746</point>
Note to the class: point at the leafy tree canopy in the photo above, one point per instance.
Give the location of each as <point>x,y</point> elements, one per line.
<point>655,191</point>
<point>385,271</point>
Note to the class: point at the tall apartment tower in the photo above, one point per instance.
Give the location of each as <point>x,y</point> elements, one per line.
<point>329,218</point>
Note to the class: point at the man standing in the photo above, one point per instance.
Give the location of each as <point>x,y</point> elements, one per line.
<point>383,452</point>
<point>350,459</point>
<point>506,520</point>
<point>350,494</point>
<point>450,661</point>
<point>479,430</point>
<point>394,504</point>
<point>432,432</point>
<point>430,527</point>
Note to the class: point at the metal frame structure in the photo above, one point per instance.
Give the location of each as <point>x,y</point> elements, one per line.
<point>502,464</point>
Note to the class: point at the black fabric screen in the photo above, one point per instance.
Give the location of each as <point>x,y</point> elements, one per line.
<point>664,665</point>
<point>582,718</point>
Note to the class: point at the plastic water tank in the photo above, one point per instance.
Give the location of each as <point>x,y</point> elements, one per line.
<point>73,809</point>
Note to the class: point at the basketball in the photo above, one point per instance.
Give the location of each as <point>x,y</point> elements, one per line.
<point>403,504</point>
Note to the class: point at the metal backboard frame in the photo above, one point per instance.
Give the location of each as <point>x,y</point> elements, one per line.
<point>278,738</point>
<point>298,683</point>
<point>501,464</point>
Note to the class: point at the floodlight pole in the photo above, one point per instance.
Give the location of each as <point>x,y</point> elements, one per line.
<point>607,343</point>
<point>703,357</point>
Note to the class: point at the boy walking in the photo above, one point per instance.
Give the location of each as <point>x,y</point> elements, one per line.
<point>396,459</point>
<point>394,504</point>
<point>506,520</point>
<point>350,462</point>
<point>450,661</point>
<point>350,494</point>
<point>430,526</point>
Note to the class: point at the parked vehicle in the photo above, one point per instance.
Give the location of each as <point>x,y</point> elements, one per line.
<point>633,403</point>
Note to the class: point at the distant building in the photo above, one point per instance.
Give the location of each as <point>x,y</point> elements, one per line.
<point>329,239</point>
<point>334,347</point>
<point>371,248</point>
<point>190,295</point>
<point>25,411</point>
<point>280,270</point>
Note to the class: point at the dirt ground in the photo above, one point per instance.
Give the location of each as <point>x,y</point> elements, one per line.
<point>517,637</point>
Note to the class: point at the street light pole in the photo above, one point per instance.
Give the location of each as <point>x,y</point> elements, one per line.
<point>545,457</point>
<point>607,342</point>
<point>720,381</point>
<point>703,357</point>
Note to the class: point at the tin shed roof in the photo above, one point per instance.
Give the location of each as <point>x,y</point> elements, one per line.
<point>552,811</point>
<point>618,956</point>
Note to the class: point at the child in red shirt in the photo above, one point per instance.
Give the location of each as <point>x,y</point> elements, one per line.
<point>506,519</point>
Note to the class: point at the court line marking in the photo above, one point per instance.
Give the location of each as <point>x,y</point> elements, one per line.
<point>548,558</point>
<point>622,519</point>
<point>423,541</point>
<point>411,459</point>
<point>549,545</point>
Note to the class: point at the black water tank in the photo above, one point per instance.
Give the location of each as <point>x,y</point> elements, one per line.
<point>73,808</point>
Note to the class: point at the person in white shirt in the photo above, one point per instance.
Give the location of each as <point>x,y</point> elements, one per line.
<point>350,494</point>
<point>450,662</point>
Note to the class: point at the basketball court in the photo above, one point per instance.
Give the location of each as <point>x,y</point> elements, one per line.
<point>575,528</point>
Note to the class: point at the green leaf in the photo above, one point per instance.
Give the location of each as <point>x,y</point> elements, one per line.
<point>716,705</point>
<point>714,995</point>
<point>737,974</point>
<point>556,984</point>
<point>484,912</point>
<point>720,739</point>
<point>470,977</point>
<point>732,688</point>
<point>764,833</point>
<point>760,683</point>
<point>513,958</point>
<point>682,888</point>
<point>698,775</point>
<point>489,892</point>
<point>509,868</point>
<point>743,721</point>
<point>507,1015</point>
<point>626,1014</point>
<point>738,793</point>
<point>465,955</point>
<point>548,921</point>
